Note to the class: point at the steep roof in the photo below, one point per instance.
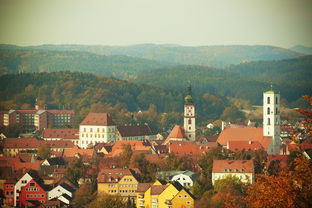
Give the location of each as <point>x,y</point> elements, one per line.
<point>127,131</point>
<point>244,134</point>
<point>142,187</point>
<point>190,148</point>
<point>61,133</point>
<point>98,119</point>
<point>177,132</point>
<point>135,146</point>
<point>233,166</point>
<point>158,189</point>
<point>76,150</point>
<point>247,145</point>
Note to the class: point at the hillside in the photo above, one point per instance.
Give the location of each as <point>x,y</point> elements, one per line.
<point>302,49</point>
<point>86,92</point>
<point>245,81</point>
<point>18,59</point>
<point>216,56</point>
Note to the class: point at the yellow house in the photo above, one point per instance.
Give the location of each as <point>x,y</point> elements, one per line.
<point>123,182</point>
<point>183,200</point>
<point>158,195</point>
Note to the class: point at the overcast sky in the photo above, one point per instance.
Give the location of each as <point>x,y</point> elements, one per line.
<point>282,23</point>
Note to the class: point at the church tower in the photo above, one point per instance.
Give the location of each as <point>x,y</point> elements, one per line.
<point>189,115</point>
<point>271,119</point>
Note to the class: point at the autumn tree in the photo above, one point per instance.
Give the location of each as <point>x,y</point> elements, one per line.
<point>75,170</point>
<point>110,201</point>
<point>83,196</point>
<point>288,190</point>
<point>125,156</point>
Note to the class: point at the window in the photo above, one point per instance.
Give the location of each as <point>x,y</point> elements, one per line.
<point>276,100</point>
<point>189,128</point>
<point>188,202</point>
<point>185,196</point>
<point>189,121</point>
<point>268,100</point>
<point>268,111</point>
<point>269,121</point>
<point>276,111</point>
<point>180,196</point>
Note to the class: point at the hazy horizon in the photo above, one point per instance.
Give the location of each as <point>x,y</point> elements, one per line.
<point>282,23</point>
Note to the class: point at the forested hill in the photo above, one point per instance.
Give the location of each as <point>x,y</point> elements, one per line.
<point>246,81</point>
<point>216,56</point>
<point>19,59</point>
<point>86,92</point>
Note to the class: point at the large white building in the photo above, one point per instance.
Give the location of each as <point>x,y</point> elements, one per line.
<point>96,128</point>
<point>242,169</point>
<point>189,116</point>
<point>271,119</point>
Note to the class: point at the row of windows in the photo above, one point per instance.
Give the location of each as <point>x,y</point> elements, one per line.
<point>98,130</point>
<point>269,111</point>
<point>269,121</point>
<point>35,195</point>
<point>32,189</point>
<point>9,193</point>
<point>95,135</point>
<point>180,196</point>
<point>11,186</point>
<point>128,185</point>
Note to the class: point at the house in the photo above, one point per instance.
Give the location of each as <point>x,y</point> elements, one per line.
<point>61,134</point>
<point>190,147</point>
<point>13,146</point>
<point>54,161</point>
<point>33,192</point>
<point>135,133</point>
<point>163,196</point>
<point>176,134</point>
<point>96,128</point>
<point>242,169</point>
<point>22,182</point>
<point>185,178</point>
<point>8,192</point>
<point>62,192</point>
<point>136,147</point>
<point>103,148</point>
<point>244,138</point>
<point>38,119</point>
<point>119,181</point>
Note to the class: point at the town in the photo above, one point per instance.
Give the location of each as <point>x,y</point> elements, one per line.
<point>53,164</point>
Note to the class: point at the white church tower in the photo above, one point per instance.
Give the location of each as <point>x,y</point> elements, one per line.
<point>189,115</point>
<point>271,119</point>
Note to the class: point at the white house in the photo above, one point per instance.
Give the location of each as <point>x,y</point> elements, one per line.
<point>23,181</point>
<point>242,169</point>
<point>96,128</point>
<point>185,178</point>
<point>62,192</point>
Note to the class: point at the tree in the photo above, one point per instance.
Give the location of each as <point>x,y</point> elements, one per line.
<point>232,113</point>
<point>126,154</point>
<point>110,201</point>
<point>197,190</point>
<point>83,196</point>
<point>288,190</point>
<point>44,152</point>
<point>74,170</point>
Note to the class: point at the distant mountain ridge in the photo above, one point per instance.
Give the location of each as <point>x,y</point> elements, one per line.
<point>217,56</point>
<point>302,49</point>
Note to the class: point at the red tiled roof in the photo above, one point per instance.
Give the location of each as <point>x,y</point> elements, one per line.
<point>177,132</point>
<point>26,111</point>
<point>247,145</point>
<point>244,134</point>
<point>158,189</point>
<point>27,143</point>
<point>76,150</point>
<point>142,187</point>
<point>127,131</point>
<point>100,119</point>
<point>61,133</point>
<point>135,146</point>
<point>190,148</point>
<point>232,166</point>
<point>15,163</point>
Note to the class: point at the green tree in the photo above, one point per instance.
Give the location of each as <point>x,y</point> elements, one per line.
<point>232,113</point>
<point>44,151</point>
<point>75,170</point>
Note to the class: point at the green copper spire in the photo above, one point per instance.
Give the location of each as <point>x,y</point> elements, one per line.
<point>188,98</point>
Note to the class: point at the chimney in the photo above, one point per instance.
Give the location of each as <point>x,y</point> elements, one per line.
<point>250,142</point>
